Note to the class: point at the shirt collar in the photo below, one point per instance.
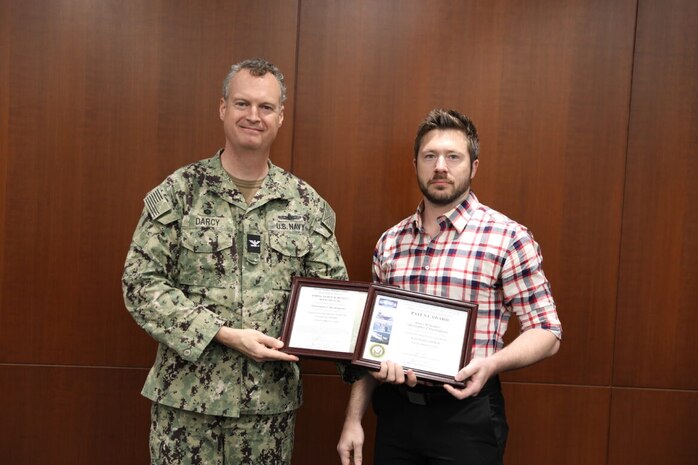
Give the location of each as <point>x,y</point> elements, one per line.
<point>458,217</point>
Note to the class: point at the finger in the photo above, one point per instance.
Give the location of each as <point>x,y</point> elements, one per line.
<point>386,371</point>
<point>283,356</point>
<point>471,389</point>
<point>411,378</point>
<point>397,375</point>
<point>344,455</point>
<point>457,393</point>
<point>358,455</point>
<point>288,357</point>
<point>271,342</point>
<point>265,353</point>
<point>382,372</point>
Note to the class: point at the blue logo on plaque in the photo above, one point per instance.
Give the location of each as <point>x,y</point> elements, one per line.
<point>383,302</point>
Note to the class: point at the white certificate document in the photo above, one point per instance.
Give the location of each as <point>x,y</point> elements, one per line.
<point>327,319</point>
<point>416,334</point>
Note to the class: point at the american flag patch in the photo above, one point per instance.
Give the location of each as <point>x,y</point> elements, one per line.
<point>156,203</point>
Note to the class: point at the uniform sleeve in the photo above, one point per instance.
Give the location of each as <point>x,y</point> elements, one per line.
<point>526,289</point>
<point>325,259</point>
<point>148,282</point>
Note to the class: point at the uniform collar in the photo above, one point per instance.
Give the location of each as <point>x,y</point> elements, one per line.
<point>274,186</point>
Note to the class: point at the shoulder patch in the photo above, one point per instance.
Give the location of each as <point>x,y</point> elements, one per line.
<point>157,203</point>
<point>329,219</point>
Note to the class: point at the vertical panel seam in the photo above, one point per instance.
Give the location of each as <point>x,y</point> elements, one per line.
<point>295,87</point>
<point>620,244</point>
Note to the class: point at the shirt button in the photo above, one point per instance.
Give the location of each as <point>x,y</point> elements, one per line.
<point>187,352</point>
<point>426,267</point>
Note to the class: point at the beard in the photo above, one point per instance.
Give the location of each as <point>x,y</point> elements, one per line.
<point>444,197</point>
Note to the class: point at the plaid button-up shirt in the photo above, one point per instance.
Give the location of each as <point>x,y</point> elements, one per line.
<point>479,256</point>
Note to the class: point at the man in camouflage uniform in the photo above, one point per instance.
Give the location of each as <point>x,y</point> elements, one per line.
<point>208,276</point>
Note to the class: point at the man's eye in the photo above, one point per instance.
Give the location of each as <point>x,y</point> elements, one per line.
<point>240,104</point>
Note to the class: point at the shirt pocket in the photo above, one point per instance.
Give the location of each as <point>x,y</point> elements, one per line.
<point>206,257</point>
<point>287,258</point>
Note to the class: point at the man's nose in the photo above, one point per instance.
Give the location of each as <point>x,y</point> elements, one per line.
<point>253,113</point>
<point>440,163</point>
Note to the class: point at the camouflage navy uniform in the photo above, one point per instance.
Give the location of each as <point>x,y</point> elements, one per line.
<point>201,258</point>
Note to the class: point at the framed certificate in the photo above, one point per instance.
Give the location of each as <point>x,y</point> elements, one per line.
<point>431,335</point>
<point>323,317</point>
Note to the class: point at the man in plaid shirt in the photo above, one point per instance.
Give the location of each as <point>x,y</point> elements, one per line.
<point>458,248</point>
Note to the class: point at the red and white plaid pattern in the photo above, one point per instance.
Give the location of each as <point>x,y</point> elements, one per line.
<point>480,256</point>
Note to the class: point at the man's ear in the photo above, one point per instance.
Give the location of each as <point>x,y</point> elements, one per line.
<point>473,168</point>
<point>222,108</point>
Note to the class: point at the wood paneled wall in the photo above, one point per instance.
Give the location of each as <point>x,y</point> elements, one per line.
<point>586,112</point>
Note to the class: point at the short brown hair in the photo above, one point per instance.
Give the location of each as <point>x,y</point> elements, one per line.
<point>449,119</point>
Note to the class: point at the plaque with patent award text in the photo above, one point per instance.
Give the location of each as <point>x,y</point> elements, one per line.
<point>428,334</point>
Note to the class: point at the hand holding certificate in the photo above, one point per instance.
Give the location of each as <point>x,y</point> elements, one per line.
<point>369,324</point>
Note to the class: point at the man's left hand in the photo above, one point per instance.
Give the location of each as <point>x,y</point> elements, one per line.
<point>475,374</point>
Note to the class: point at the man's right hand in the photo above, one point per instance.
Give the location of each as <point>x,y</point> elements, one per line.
<point>393,373</point>
<point>253,344</point>
<point>351,443</point>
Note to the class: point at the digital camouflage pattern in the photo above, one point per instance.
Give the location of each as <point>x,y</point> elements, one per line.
<point>202,258</point>
<point>190,438</point>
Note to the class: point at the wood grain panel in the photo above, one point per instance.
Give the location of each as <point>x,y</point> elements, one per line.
<point>564,96</point>
<point>198,45</point>
<point>548,86</point>
<point>68,416</point>
<point>4,126</point>
<point>318,367</point>
<point>653,426</point>
<point>656,343</point>
<point>550,425</point>
<point>105,99</point>
<point>73,100</point>
<point>320,421</point>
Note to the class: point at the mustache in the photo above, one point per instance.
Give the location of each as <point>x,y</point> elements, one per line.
<point>440,177</point>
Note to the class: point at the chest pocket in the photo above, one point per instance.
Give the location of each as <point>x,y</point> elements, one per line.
<point>287,257</point>
<point>206,257</point>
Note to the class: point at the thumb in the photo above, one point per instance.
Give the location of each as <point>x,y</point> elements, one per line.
<point>269,341</point>
<point>465,373</point>
<point>275,343</point>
